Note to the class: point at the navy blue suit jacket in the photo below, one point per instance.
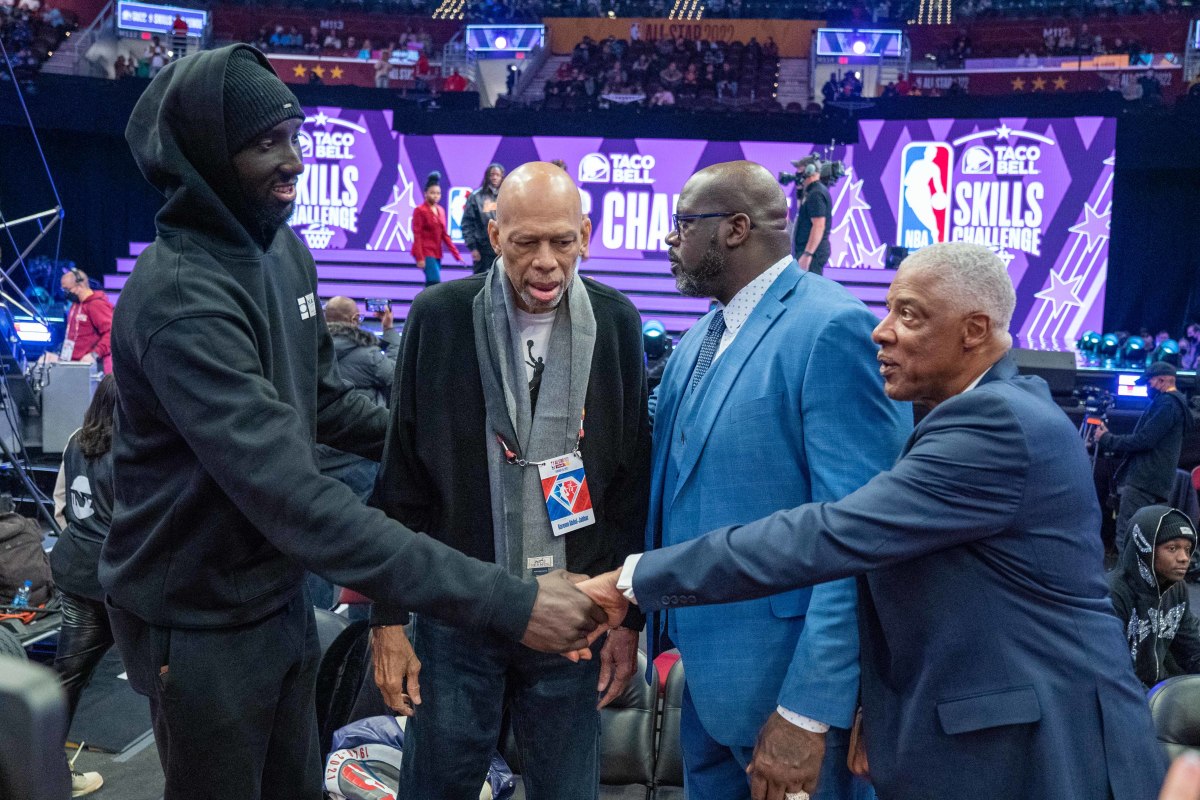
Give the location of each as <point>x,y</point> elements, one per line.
<point>992,666</point>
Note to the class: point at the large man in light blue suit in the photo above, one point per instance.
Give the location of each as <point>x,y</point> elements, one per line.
<point>992,666</point>
<point>770,401</point>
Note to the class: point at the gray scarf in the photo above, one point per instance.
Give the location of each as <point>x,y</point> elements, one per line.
<point>520,522</point>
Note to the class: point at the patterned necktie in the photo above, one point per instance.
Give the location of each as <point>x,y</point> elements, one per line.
<point>708,348</point>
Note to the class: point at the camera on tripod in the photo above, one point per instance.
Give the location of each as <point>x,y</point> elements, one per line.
<point>1096,403</point>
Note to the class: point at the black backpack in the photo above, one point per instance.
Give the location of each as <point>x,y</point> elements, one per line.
<point>23,559</point>
<point>346,688</point>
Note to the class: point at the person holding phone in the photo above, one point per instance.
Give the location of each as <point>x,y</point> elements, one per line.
<point>429,231</point>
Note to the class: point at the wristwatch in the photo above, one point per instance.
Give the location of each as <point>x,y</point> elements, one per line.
<point>806,253</point>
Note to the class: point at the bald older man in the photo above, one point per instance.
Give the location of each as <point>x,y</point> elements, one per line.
<point>771,401</point>
<point>992,665</point>
<point>495,374</point>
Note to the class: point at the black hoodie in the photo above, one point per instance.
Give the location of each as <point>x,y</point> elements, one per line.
<point>227,378</point>
<point>1155,616</point>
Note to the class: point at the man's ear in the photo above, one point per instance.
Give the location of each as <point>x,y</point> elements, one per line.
<point>739,230</point>
<point>494,234</point>
<point>585,231</point>
<point>976,330</point>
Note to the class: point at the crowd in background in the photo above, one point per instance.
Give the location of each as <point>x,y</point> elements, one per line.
<point>665,72</point>
<point>30,33</point>
<point>278,39</point>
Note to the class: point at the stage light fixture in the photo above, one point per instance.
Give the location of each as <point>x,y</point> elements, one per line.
<point>859,47</point>
<point>501,43</point>
<point>1134,352</point>
<point>1167,351</point>
<point>1088,343</point>
<point>1109,344</point>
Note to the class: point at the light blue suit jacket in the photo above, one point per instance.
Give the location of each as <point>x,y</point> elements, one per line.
<point>992,664</point>
<point>793,411</point>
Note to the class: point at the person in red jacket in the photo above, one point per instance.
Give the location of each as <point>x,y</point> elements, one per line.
<point>89,321</point>
<point>429,231</point>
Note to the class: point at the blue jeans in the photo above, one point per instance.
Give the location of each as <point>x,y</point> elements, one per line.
<point>713,771</point>
<point>466,678</point>
<point>433,271</point>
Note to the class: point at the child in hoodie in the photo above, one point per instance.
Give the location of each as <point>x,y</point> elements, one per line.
<point>1149,595</point>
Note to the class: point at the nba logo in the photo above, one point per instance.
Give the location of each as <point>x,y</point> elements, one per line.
<point>925,177</point>
<point>458,202</point>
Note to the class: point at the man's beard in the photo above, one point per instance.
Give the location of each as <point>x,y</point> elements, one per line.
<point>702,282</point>
<point>270,218</point>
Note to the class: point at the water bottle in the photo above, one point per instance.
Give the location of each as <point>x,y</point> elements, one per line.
<point>21,598</point>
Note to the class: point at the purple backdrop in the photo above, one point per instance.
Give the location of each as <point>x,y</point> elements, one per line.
<point>1037,191</point>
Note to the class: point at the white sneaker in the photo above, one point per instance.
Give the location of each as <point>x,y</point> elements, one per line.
<point>85,783</point>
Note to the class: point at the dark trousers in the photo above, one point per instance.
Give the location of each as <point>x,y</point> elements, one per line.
<point>359,475</point>
<point>486,256</point>
<point>83,640</point>
<point>465,680</point>
<point>1133,500</point>
<point>820,258</point>
<point>233,709</point>
<point>714,771</point>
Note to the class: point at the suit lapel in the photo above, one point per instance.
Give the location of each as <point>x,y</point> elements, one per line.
<point>715,389</point>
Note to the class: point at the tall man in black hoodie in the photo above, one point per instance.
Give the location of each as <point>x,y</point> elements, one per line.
<point>1152,450</point>
<point>228,379</point>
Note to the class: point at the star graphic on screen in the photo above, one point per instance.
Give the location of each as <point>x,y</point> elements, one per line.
<point>1060,83</point>
<point>1018,84</point>
<point>1006,257</point>
<point>856,201</point>
<point>839,245</point>
<point>1062,292</point>
<point>1110,161</point>
<point>319,71</point>
<point>337,73</point>
<point>1039,83</point>
<point>299,70</point>
<point>1003,131</point>
<point>1094,225</point>
<point>320,119</point>
<point>872,259</point>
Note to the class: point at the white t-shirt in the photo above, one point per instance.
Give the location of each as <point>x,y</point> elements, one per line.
<point>535,328</point>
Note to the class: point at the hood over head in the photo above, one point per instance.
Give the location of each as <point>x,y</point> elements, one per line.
<point>195,114</point>
<point>1150,527</point>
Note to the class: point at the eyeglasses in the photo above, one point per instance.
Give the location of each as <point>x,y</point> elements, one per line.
<point>679,219</point>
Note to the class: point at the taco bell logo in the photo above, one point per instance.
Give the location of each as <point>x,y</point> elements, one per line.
<point>925,178</point>
<point>618,168</point>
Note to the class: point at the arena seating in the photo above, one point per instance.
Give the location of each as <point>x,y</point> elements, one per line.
<point>30,35</point>
<point>616,73</point>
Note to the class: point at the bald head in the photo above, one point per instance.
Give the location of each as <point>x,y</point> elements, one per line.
<point>341,309</point>
<point>741,186</point>
<point>540,233</point>
<point>733,227</point>
<point>537,184</point>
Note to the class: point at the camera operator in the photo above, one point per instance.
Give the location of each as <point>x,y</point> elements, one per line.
<point>814,210</point>
<point>1152,450</point>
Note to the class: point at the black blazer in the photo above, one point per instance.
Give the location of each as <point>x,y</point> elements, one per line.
<point>434,474</point>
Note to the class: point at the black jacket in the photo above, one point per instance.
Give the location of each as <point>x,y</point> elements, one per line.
<point>1152,450</point>
<point>475,219</point>
<point>364,365</point>
<point>1156,618</point>
<point>88,511</point>
<point>434,474</point>
<point>227,379</point>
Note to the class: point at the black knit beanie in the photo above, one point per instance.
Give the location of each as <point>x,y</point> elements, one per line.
<point>255,100</point>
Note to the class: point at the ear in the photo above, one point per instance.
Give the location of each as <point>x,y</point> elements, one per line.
<point>585,232</point>
<point>976,330</point>
<point>739,230</point>
<point>494,234</point>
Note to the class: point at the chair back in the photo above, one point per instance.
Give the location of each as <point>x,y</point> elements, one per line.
<point>668,768</point>
<point>1175,709</point>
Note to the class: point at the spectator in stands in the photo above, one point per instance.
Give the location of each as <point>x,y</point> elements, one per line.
<point>1152,450</point>
<point>1151,88</point>
<point>569,342</point>
<point>121,68</point>
<point>1189,346</point>
<point>83,504</point>
<point>831,88</point>
<point>278,39</point>
<point>662,97</point>
<point>1150,597</point>
<point>158,56</point>
<point>429,231</point>
<point>382,68</point>
<point>478,212</point>
<point>312,45</point>
<point>903,87</point>
<point>454,82</point>
<point>670,77</point>
<point>332,41</point>
<point>89,321</point>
